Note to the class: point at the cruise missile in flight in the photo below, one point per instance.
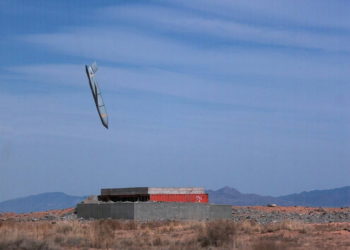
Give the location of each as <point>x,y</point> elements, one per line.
<point>96,93</point>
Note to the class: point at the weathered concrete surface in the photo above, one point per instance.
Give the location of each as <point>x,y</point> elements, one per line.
<point>102,210</point>
<point>151,190</point>
<point>146,211</point>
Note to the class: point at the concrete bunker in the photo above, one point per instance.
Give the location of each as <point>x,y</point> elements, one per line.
<point>145,204</point>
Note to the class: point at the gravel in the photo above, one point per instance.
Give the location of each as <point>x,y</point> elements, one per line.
<point>315,216</point>
<point>261,215</point>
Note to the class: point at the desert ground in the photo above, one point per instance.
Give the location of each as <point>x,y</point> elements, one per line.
<point>254,228</point>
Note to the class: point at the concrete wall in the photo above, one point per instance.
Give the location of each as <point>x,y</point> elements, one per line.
<point>220,212</point>
<point>146,211</point>
<point>116,210</point>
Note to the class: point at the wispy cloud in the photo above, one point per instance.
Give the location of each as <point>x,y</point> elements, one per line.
<point>320,14</point>
<point>195,87</point>
<point>229,31</point>
<point>62,74</point>
<point>121,46</point>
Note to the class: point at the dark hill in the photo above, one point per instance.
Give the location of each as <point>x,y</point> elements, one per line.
<point>338,197</point>
<point>40,202</point>
<point>231,196</point>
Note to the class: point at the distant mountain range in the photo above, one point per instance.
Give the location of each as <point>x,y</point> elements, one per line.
<point>40,202</point>
<point>231,196</point>
<point>338,197</point>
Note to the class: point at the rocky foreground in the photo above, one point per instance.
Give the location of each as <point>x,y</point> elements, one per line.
<point>62,214</point>
<point>263,215</point>
<point>256,228</point>
<point>256,214</point>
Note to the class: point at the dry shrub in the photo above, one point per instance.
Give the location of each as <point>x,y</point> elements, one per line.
<point>113,225</point>
<point>196,226</point>
<point>105,228</point>
<point>64,229</point>
<point>217,233</point>
<point>292,225</point>
<point>304,230</point>
<point>58,240</point>
<point>274,243</point>
<point>331,227</point>
<point>153,224</point>
<point>118,234</point>
<point>23,243</point>
<point>266,245</point>
<point>285,225</point>
<point>130,225</point>
<point>167,228</point>
<point>104,232</point>
<point>124,244</point>
<point>249,227</point>
<point>74,242</point>
<point>157,242</point>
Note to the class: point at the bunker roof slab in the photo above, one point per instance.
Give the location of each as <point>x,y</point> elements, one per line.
<point>151,190</point>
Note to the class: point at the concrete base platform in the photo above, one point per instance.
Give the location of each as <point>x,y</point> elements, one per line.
<point>148,211</point>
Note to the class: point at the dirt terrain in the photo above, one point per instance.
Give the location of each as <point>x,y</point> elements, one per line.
<point>254,228</point>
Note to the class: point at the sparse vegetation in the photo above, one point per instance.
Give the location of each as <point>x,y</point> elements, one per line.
<point>117,234</point>
<point>217,234</point>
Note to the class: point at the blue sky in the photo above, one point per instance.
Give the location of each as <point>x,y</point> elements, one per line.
<point>249,94</point>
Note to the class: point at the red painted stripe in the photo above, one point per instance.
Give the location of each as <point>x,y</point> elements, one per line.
<point>201,198</point>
